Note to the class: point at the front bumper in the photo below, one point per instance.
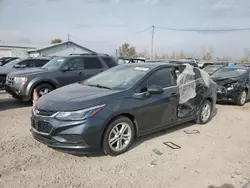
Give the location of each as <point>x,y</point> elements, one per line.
<point>76,137</point>
<point>224,95</point>
<point>17,91</point>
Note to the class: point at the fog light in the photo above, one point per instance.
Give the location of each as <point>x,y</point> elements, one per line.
<point>71,138</point>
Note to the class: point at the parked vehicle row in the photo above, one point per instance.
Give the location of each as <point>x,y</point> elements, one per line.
<point>90,103</point>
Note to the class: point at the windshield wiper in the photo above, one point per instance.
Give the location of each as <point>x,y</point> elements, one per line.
<point>99,86</point>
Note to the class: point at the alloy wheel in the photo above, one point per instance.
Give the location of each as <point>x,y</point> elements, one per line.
<point>44,91</point>
<point>120,136</point>
<point>243,97</point>
<point>206,112</point>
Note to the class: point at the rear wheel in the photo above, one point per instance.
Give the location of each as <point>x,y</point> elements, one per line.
<point>242,98</point>
<point>44,89</point>
<point>118,136</point>
<point>205,113</point>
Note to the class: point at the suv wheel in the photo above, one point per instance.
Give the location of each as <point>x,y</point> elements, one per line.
<point>43,89</point>
<point>241,100</point>
<point>205,113</point>
<point>118,136</point>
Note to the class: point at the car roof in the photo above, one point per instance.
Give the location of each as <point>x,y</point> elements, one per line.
<point>150,66</point>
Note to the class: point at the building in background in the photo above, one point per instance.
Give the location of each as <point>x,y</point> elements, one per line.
<point>60,49</point>
<point>14,51</point>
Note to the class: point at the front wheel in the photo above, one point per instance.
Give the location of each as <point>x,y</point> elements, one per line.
<point>118,136</point>
<point>205,113</point>
<point>242,98</point>
<point>43,89</point>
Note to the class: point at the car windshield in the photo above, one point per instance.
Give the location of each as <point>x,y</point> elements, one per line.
<point>12,63</point>
<point>211,69</point>
<point>54,64</point>
<point>229,72</point>
<point>118,78</point>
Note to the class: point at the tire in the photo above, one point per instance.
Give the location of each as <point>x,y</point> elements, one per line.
<point>112,149</point>
<point>200,115</point>
<point>242,98</point>
<point>42,88</point>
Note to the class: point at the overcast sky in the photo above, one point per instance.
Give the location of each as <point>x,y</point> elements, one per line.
<point>102,25</point>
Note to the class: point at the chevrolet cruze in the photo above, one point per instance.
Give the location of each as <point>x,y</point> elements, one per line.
<point>106,112</point>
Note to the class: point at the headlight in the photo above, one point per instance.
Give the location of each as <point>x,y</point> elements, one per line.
<point>80,114</point>
<point>20,80</point>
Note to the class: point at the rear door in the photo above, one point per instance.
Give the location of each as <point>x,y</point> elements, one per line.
<point>92,66</point>
<point>160,109</point>
<point>72,72</point>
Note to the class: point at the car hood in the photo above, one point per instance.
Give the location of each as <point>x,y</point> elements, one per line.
<point>75,97</point>
<point>27,72</point>
<point>224,81</point>
<point>6,70</point>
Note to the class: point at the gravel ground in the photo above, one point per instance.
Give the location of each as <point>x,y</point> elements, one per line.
<point>219,154</point>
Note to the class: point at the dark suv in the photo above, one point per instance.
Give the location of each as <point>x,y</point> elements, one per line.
<point>56,73</point>
<point>21,64</point>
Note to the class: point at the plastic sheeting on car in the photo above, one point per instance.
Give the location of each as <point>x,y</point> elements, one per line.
<point>187,84</point>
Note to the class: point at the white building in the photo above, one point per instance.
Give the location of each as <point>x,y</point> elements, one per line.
<point>14,51</point>
<point>60,49</point>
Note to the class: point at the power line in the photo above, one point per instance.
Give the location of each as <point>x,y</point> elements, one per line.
<point>204,30</point>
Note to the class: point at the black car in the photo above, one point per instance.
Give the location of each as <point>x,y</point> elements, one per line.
<point>20,64</point>
<point>233,84</point>
<point>56,73</point>
<point>106,112</point>
<point>211,69</point>
<point>5,60</point>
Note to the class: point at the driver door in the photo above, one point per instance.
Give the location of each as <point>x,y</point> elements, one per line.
<point>72,72</point>
<point>159,110</point>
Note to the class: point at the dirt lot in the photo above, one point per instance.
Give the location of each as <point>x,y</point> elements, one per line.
<point>219,154</point>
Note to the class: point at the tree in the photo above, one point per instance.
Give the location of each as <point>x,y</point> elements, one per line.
<point>127,50</point>
<point>56,41</point>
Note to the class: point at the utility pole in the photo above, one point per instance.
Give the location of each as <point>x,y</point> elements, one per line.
<point>68,37</point>
<point>152,43</point>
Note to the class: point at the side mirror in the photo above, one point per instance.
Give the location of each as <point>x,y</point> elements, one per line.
<point>155,89</point>
<point>65,69</point>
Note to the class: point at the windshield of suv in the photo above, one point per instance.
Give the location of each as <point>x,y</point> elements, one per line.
<point>12,63</point>
<point>118,78</point>
<point>229,72</point>
<point>54,64</point>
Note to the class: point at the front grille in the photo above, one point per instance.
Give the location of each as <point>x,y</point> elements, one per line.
<point>42,126</point>
<point>44,112</point>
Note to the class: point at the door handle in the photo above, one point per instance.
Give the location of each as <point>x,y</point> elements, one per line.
<point>81,73</point>
<point>173,94</point>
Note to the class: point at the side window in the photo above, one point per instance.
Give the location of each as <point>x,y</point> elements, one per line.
<point>164,77</point>
<point>109,62</point>
<point>26,63</point>
<point>40,63</point>
<point>75,64</point>
<point>92,63</point>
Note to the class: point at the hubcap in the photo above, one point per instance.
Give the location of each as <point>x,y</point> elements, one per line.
<point>243,97</point>
<point>205,113</point>
<point>44,91</point>
<point>120,136</point>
